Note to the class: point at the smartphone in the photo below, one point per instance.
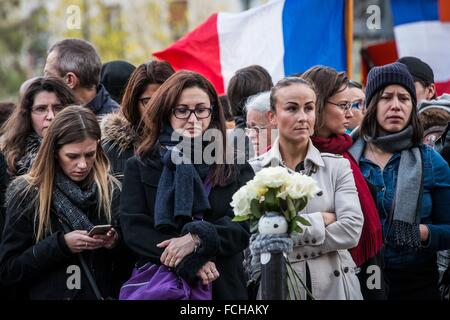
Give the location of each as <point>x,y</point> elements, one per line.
<point>100,229</point>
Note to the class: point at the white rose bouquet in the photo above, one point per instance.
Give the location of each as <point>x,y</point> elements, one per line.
<point>274,189</point>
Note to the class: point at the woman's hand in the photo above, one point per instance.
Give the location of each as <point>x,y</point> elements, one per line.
<point>176,250</point>
<point>424,232</point>
<point>109,239</point>
<point>79,241</point>
<point>328,218</point>
<point>208,273</point>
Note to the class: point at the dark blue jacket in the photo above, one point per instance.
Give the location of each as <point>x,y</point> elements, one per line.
<point>102,103</point>
<point>435,211</point>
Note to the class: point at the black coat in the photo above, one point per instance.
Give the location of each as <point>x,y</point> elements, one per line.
<point>223,241</point>
<point>102,103</point>
<point>42,267</point>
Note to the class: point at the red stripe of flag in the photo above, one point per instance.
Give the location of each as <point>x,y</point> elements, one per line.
<point>444,10</point>
<point>198,51</point>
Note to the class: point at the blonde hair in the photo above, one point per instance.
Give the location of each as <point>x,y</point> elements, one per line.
<point>73,124</point>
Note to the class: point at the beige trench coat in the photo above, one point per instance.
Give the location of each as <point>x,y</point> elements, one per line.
<point>324,249</point>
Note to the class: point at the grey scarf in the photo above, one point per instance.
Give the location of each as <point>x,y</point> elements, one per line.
<point>406,208</point>
<point>71,202</point>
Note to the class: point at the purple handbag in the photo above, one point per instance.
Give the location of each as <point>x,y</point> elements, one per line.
<point>158,282</point>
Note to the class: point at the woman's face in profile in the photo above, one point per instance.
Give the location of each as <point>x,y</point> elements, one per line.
<point>77,159</point>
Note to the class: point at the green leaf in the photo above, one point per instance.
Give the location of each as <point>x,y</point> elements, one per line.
<point>254,208</point>
<point>271,200</point>
<point>303,221</point>
<point>291,208</point>
<point>241,218</point>
<point>300,204</point>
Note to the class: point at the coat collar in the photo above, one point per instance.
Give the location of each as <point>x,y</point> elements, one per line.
<point>273,156</point>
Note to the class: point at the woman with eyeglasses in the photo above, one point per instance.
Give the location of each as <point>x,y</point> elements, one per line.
<point>122,130</point>
<point>357,98</point>
<point>24,130</point>
<point>177,190</point>
<point>333,114</point>
<point>411,182</point>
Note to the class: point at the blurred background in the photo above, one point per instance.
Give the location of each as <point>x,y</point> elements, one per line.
<point>129,30</point>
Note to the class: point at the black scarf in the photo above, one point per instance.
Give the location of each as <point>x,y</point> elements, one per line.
<point>181,190</point>
<point>32,144</point>
<point>72,203</point>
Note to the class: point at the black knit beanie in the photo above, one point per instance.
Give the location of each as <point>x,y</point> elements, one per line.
<point>394,73</point>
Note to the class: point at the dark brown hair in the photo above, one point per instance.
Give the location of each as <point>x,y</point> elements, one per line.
<point>247,82</point>
<point>152,72</point>
<point>327,82</point>
<point>370,127</point>
<point>159,112</point>
<point>19,126</point>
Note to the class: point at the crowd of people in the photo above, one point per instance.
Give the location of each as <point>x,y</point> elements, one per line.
<point>123,172</point>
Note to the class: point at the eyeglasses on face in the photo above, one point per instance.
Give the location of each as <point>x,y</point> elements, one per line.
<point>183,112</point>
<point>42,109</point>
<point>144,101</point>
<point>343,106</point>
<point>256,129</point>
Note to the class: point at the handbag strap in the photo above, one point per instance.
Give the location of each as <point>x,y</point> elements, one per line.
<point>85,268</point>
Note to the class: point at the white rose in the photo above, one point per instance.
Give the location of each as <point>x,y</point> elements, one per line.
<point>256,190</point>
<point>241,202</point>
<point>301,186</point>
<point>273,177</point>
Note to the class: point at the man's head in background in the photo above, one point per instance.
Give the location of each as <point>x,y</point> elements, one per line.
<point>423,77</point>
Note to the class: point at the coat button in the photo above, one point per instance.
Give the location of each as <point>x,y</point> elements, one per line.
<point>306,241</point>
<point>336,273</point>
<point>299,256</point>
<point>313,241</point>
<point>345,269</point>
<point>313,255</point>
<point>305,256</point>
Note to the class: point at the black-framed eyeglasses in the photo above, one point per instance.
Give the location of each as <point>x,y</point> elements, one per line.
<point>144,101</point>
<point>182,112</point>
<point>343,106</point>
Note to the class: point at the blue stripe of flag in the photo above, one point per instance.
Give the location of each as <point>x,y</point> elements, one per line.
<point>314,33</point>
<point>408,11</point>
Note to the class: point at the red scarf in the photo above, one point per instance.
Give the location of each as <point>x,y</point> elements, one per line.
<point>371,237</point>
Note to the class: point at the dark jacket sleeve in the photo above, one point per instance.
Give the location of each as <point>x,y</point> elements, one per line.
<point>21,258</point>
<point>439,229</point>
<point>221,237</point>
<point>136,218</point>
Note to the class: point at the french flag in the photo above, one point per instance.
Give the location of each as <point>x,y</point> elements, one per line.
<point>422,29</point>
<point>283,36</point>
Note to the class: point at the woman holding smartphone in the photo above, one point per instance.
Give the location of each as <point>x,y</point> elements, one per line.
<point>50,211</point>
